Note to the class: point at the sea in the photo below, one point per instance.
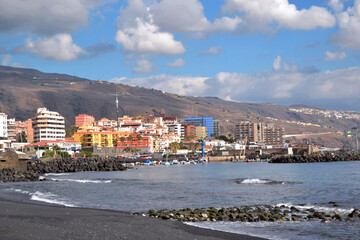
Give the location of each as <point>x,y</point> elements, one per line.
<point>312,185</point>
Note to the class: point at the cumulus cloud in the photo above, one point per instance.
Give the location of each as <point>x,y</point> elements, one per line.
<point>59,47</point>
<point>177,63</point>
<point>183,85</point>
<point>143,66</point>
<point>169,15</point>
<point>45,17</point>
<point>277,63</point>
<point>332,56</point>
<point>283,87</point>
<point>146,38</point>
<point>262,14</point>
<point>349,28</point>
<point>99,48</point>
<point>337,5</point>
<point>212,51</point>
<point>6,60</point>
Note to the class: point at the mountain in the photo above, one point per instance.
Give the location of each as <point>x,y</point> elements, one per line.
<point>22,91</point>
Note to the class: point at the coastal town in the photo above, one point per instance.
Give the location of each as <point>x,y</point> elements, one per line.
<point>143,137</point>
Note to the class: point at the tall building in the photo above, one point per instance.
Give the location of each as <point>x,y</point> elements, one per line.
<point>29,131</point>
<point>254,132</point>
<point>11,128</point>
<point>82,119</point>
<point>202,122</point>
<point>200,132</point>
<point>189,130</point>
<point>216,131</point>
<point>3,125</point>
<point>259,132</point>
<point>48,125</point>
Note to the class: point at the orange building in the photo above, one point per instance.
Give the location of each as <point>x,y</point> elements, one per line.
<point>29,131</point>
<point>145,142</point>
<point>189,130</point>
<point>82,119</point>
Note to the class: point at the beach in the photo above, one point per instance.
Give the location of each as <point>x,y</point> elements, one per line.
<point>20,220</point>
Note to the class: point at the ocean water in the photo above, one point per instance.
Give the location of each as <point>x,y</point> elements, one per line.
<point>311,185</point>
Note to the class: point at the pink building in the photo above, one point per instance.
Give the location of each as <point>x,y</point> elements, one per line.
<point>82,119</point>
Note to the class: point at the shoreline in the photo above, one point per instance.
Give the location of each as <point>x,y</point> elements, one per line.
<point>23,220</point>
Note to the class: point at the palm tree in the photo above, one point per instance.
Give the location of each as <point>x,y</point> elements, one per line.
<point>174,146</point>
<point>139,137</point>
<point>123,139</point>
<point>130,138</point>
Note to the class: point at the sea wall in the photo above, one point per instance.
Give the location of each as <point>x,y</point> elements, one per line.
<point>37,167</point>
<point>318,157</point>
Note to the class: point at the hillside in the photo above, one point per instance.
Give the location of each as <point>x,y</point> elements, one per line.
<point>22,91</point>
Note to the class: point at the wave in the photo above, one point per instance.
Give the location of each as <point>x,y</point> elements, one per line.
<point>260,181</point>
<point>316,208</point>
<point>43,197</point>
<point>57,174</point>
<point>80,180</point>
<point>49,198</point>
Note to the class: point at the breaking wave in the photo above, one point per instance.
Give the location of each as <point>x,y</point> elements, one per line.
<point>259,181</point>
<point>316,208</point>
<point>80,180</point>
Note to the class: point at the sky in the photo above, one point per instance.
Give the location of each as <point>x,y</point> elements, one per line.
<point>275,51</point>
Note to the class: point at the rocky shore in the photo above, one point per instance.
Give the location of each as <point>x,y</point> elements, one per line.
<point>36,168</point>
<point>253,214</point>
<point>318,157</point>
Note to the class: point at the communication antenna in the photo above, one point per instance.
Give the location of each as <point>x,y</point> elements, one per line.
<point>117,106</point>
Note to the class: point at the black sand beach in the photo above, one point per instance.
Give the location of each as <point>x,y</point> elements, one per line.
<point>35,221</point>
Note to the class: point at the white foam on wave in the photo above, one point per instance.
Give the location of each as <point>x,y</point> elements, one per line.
<point>57,174</point>
<point>317,208</point>
<point>19,191</point>
<point>80,180</point>
<point>236,227</point>
<point>43,197</point>
<point>49,198</point>
<point>255,181</point>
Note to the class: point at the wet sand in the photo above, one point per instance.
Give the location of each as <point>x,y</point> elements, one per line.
<point>34,221</point>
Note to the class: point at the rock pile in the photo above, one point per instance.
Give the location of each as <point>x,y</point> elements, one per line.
<point>323,157</point>
<point>37,167</point>
<point>252,214</point>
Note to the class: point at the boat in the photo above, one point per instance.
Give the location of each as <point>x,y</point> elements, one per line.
<point>175,162</point>
<point>167,164</point>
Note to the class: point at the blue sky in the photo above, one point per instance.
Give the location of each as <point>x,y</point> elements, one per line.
<point>278,51</point>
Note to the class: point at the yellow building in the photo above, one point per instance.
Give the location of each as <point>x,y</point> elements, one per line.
<point>200,132</point>
<point>101,138</point>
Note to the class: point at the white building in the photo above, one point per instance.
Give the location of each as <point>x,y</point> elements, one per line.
<point>48,125</point>
<point>11,128</point>
<point>3,126</point>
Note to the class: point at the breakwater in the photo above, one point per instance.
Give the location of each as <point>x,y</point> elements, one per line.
<point>37,167</point>
<point>265,213</point>
<point>318,157</point>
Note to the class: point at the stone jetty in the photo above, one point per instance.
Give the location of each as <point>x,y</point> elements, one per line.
<point>253,214</point>
<point>318,157</point>
<point>36,167</point>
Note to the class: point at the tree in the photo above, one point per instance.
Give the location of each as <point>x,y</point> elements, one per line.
<point>193,146</point>
<point>130,138</point>
<point>130,149</point>
<point>139,137</point>
<point>174,147</point>
<point>123,139</point>
<point>114,142</point>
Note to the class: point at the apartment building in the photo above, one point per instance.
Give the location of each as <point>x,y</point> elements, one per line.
<point>48,125</point>
<point>216,131</point>
<point>202,122</point>
<point>201,132</point>
<point>259,132</point>
<point>11,128</point>
<point>3,125</point>
<point>82,119</point>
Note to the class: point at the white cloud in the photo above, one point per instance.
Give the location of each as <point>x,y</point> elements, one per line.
<point>146,38</point>
<point>177,63</point>
<point>212,51</point>
<point>337,5</point>
<point>336,87</point>
<point>332,56</point>
<point>143,66</point>
<point>183,85</point>
<point>59,47</point>
<point>45,17</point>
<point>188,16</point>
<point>277,63</point>
<point>260,14</point>
<point>349,28</point>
